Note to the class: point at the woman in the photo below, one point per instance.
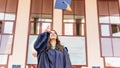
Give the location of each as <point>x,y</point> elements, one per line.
<point>50,53</point>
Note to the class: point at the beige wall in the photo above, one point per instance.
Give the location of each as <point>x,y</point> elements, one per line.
<point>93,44</point>
<point>20,41</point>
<point>57,20</point>
<point>21,32</point>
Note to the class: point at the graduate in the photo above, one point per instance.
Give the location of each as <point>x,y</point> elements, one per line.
<point>50,52</point>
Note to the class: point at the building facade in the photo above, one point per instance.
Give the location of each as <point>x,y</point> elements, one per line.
<point>90,31</point>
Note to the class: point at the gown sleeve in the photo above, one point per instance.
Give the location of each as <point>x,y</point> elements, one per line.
<point>67,62</point>
<point>41,42</point>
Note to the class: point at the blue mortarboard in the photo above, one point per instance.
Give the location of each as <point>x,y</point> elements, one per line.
<point>63,4</point>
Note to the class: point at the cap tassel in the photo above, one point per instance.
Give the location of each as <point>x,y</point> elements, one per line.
<point>68,8</point>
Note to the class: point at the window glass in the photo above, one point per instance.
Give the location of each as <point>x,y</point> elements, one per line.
<point>74,21</point>
<point>9,16</point>
<point>31,58</point>
<point>112,62</point>
<point>103,7</point>
<point>105,30</point>
<point>2,5</point>
<point>11,6</point>
<point>79,8</point>
<point>44,25</point>
<point>104,19</point>
<point>115,30</point>
<point>8,27</point>
<point>3,59</point>
<point>116,46</point>
<point>35,17</point>
<point>0,27</point>
<point>46,18</point>
<point>47,6</point>
<point>114,19</point>
<point>35,28</point>
<point>6,43</point>
<point>68,29</point>
<point>69,19</point>
<point>113,7</point>
<point>36,6</point>
<point>76,49</point>
<point>79,19</point>
<point>80,29</point>
<point>1,16</point>
<point>106,46</point>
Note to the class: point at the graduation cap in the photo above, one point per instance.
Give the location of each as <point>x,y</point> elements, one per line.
<point>63,4</point>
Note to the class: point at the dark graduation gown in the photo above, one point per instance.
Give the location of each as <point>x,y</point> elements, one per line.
<point>50,58</point>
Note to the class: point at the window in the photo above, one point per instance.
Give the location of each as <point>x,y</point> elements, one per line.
<point>74,30</point>
<point>74,21</point>
<point>0,26</point>
<point>41,16</point>
<point>8,12</point>
<point>7,24</point>
<point>109,22</point>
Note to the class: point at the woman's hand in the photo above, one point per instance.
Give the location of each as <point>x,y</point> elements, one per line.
<point>48,29</point>
<point>34,54</point>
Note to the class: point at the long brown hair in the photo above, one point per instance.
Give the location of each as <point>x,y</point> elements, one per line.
<point>58,43</point>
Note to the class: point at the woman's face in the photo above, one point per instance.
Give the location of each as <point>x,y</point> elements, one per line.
<point>53,35</point>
